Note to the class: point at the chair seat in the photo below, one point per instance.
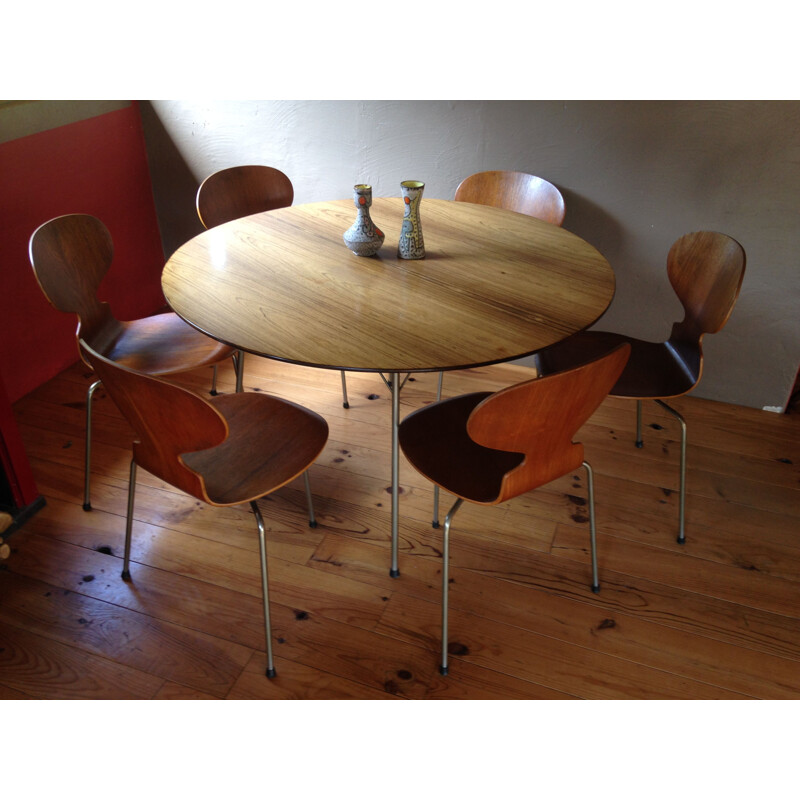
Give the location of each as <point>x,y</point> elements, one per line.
<point>435,440</point>
<point>654,369</point>
<point>270,442</point>
<point>162,345</point>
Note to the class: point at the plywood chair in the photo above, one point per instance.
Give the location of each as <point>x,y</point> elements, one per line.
<point>706,270</point>
<point>70,255</point>
<point>230,449</point>
<point>488,447</point>
<point>236,192</point>
<point>514,191</point>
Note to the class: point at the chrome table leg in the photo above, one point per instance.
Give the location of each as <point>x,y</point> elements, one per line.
<point>395,382</point>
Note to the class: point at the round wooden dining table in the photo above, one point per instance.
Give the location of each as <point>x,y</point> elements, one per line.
<point>494,286</point>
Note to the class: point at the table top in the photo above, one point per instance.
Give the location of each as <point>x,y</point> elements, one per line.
<point>494,286</point>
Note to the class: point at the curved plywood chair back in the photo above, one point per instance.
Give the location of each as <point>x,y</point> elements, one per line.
<point>706,270</point>
<point>70,255</point>
<point>540,417</point>
<point>514,191</point>
<point>167,419</point>
<point>240,191</point>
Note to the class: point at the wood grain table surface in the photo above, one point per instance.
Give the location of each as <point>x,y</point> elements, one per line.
<point>494,285</point>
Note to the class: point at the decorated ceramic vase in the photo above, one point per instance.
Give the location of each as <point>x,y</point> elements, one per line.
<point>411,245</point>
<point>362,237</point>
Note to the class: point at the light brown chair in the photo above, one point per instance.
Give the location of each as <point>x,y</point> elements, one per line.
<point>490,447</point>
<point>237,192</point>
<point>70,255</point>
<point>231,449</point>
<point>514,191</point>
<point>706,270</point>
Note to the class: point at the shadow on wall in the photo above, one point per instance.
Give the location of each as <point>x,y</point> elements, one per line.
<point>174,184</point>
<point>642,280</point>
<point>592,223</point>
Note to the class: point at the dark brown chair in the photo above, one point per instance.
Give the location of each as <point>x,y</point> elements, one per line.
<point>231,449</point>
<point>70,256</point>
<point>487,448</point>
<point>514,191</point>
<point>237,192</point>
<point>706,271</point>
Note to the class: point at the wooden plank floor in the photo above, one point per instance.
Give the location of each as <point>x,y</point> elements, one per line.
<point>718,618</point>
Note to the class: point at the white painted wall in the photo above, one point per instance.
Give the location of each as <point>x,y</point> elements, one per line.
<point>635,176</point>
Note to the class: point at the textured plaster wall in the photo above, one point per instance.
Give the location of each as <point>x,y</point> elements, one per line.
<point>635,176</point>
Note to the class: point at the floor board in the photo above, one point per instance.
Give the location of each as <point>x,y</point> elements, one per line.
<point>716,618</point>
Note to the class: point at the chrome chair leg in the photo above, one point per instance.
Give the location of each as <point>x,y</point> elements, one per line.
<point>87,461</point>
<point>592,527</point>
<point>446,580</point>
<point>238,365</point>
<point>435,522</point>
<point>312,520</point>
<point>238,361</point>
<point>682,493</point>
<point>345,402</point>
<point>262,549</point>
<point>126,561</point>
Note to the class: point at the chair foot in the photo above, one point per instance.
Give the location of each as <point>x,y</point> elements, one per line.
<point>435,523</point>
<point>213,392</point>
<point>126,575</point>
<point>639,444</point>
<point>596,588</point>
<point>312,524</point>
<point>443,670</point>
<point>681,540</point>
<point>271,672</point>
<point>345,405</point>
<point>394,573</point>
<point>87,506</point>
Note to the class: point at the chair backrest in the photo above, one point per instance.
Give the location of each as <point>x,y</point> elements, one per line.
<point>706,270</point>
<point>514,191</point>
<point>70,255</point>
<point>240,191</point>
<point>539,418</point>
<point>168,421</point>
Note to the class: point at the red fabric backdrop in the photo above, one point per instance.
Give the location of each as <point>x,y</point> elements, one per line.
<point>97,166</point>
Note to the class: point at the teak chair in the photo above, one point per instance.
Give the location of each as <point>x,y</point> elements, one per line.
<point>240,191</point>
<point>490,447</point>
<point>231,449</point>
<point>236,192</point>
<point>706,271</point>
<point>513,191</point>
<point>70,255</point>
